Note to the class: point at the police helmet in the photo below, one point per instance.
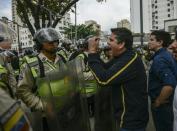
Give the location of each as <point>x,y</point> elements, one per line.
<point>8,53</point>
<point>46,35</point>
<point>85,42</point>
<point>6,35</point>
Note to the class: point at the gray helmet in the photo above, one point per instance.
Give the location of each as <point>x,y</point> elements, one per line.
<point>46,35</point>
<point>8,53</point>
<point>6,33</point>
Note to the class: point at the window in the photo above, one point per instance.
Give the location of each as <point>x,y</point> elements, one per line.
<point>156,22</point>
<point>172,28</point>
<point>30,42</point>
<point>156,27</point>
<point>168,15</point>
<point>168,4</point>
<point>156,17</point>
<point>156,6</point>
<point>156,1</point>
<point>168,10</point>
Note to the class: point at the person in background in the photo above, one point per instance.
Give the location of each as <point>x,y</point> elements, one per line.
<point>90,83</point>
<point>162,80</point>
<point>12,115</point>
<point>173,48</point>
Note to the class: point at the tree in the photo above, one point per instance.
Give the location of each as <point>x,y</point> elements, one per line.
<point>82,31</point>
<point>27,9</point>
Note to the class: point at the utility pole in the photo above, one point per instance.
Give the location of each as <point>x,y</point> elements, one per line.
<point>141,21</point>
<point>75,23</point>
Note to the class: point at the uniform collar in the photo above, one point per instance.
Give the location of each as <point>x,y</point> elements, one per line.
<point>44,58</point>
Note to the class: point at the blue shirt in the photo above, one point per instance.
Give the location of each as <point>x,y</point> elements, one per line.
<point>163,72</point>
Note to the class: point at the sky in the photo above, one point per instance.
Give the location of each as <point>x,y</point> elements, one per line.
<point>107,14</point>
<point>5,6</point>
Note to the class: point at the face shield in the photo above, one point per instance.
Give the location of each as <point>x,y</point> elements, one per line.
<point>47,35</point>
<point>6,36</point>
<point>7,56</point>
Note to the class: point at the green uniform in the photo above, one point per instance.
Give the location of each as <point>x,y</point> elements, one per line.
<point>11,115</point>
<point>53,90</point>
<point>90,83</point>
<point>30,72</point>
<point>63,55</point>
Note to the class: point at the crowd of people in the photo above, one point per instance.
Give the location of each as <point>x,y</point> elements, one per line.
<point>87,88</point>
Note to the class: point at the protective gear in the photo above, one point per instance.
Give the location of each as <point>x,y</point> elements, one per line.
<point>61,92</point>
<point>65,42</point>
<point>61,52</point>
<point>12,116</point>
<point>6,34</point>
<point>8,53</point>
<point>104,120</point>
<point>57,94</point>
<point>45,35</point>
<point>90,83</point>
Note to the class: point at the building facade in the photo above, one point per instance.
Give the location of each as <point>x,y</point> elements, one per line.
<point>25,39</point>
<point>162,10</point>
<point>94,24</point>
<point>135,15</point>
<point>155,12</point>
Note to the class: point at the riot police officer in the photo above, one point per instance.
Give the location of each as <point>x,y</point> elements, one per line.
<point>90,82</point>
<point>39,80</point>
<point>47,60</point>
<point>12,116</point>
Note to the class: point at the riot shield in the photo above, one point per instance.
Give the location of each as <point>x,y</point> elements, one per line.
<point>61,95</point>
<point>104,120</point>
<point>80,78</point>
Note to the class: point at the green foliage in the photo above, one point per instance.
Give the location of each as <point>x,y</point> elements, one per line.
<point>82,31</point>
<point>39,11</point>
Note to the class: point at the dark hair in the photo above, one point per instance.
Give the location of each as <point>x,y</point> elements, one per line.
<point>164,36</point>
<point>124,35</point>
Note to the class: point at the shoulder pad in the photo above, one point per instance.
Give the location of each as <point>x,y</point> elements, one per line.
<point>31,59</point>
<point>2,69</point>
<point>81,55</point>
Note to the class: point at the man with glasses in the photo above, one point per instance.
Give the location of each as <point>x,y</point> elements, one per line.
<point>125,76</point>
